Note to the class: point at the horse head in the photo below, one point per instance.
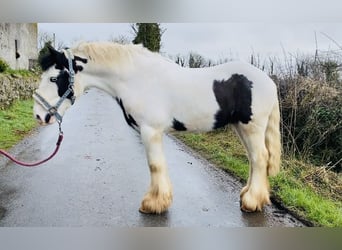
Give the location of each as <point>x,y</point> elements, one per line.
<point>56,91</point>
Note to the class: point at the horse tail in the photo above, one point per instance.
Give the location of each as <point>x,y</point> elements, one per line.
<point>273,141</point>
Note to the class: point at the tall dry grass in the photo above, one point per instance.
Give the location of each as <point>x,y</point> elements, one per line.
<point>310,93</point>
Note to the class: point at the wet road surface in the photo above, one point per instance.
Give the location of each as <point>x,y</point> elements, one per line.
<point>100,176</point>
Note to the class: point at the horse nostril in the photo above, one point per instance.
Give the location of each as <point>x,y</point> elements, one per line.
<point>38,117</point>
<point>47,118</point>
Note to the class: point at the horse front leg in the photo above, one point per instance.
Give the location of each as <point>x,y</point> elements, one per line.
<point>159,196</point>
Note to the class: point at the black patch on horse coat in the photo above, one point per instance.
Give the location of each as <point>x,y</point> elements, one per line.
<point>129,119</point>
<point>177,125</point>
<point>62,83</point>
<point>54,57</point>
<point>234,97</point>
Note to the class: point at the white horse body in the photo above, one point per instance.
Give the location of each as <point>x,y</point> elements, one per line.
<point>170,91</point>
<point>157,95</point>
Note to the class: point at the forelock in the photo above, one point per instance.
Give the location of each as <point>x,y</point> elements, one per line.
<point>53,57</point>
<point>46,61</point>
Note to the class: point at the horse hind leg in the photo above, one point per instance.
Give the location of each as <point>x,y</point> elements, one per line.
<point>159,196</point>
<point>256,192</point>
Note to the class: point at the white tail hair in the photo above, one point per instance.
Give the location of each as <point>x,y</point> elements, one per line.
<point>273,141</point>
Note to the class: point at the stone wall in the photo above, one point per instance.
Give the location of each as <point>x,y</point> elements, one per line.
<point>13,88</point>
<point>18,44</point>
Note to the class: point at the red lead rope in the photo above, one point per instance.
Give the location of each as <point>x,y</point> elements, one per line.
<point>25,164</point>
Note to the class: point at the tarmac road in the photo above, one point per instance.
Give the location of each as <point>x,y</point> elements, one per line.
<point>100,176</point>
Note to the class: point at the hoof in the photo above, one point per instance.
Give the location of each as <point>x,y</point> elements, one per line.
<point>252,202</point>
<point>142,211</point>
<point>155,204</point>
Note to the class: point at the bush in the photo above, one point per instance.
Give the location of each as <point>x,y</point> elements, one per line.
<point>312,120</point>
<point>3,66</point>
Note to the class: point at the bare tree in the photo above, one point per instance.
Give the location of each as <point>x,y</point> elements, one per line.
<point>121,39</point>
<point>43,38</point>
<point>180,60</point>
<point>60,45</point>
<point>196,60</point>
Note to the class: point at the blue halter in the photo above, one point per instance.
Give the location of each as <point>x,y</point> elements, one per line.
<point>53,110</point>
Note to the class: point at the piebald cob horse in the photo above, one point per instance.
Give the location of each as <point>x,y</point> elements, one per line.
<point>157,95</point>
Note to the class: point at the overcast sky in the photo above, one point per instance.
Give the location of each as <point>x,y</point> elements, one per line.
<point>215,40</point>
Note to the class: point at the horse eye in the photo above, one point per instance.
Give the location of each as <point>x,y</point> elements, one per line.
<point>53,79</point>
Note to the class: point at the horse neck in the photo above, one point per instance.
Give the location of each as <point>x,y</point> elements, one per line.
<point>115,77</point>
<point>108,80</point>
<point>90,80</point>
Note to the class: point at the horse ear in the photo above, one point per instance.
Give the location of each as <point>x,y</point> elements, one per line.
<point>79,67</point>
<point>84,60</point>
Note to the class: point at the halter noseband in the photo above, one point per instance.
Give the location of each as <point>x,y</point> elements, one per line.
<point>53,110</point>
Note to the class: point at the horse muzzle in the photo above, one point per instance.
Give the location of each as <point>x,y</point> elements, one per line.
<point>48,119</point>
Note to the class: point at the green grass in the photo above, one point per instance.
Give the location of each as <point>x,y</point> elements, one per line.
<point>305,201</point>
<point>305,190</point>
<point>19,72</point>
<point>15,123</point>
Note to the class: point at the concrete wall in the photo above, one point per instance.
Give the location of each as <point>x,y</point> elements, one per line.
<point>18,44</point>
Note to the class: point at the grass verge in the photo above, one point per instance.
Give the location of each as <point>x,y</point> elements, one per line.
<point>310,192</point>
<point>15,123</point>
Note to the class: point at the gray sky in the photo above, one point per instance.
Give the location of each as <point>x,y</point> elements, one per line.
<point>215,40</point>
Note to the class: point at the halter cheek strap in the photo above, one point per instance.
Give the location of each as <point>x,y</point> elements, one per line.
<point>53,110</point>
